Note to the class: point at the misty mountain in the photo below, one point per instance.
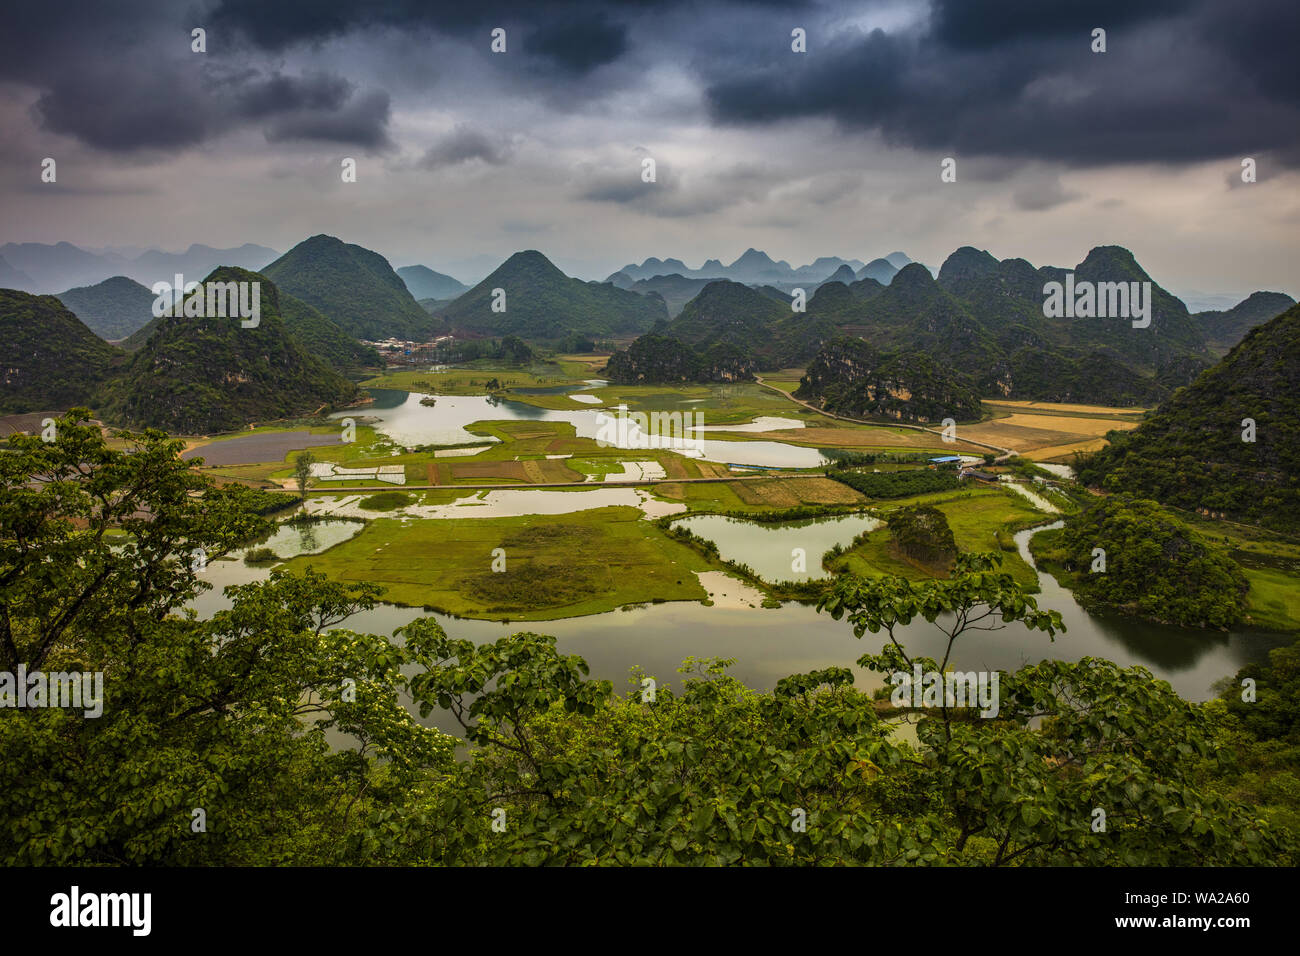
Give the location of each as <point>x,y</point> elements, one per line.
<point>198,260</point>
<point>424,283</point>
<point>11,278</point>
<point>1224,329</point>
<point>755,267</point>
<point>676,290</point>
<point>882,270</point>
<point>63,265</point>
<point>112,309</point>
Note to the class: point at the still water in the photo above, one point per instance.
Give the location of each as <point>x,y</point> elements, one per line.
<point>769,548</point>
<point>405,421</point>
<point>770,643</point>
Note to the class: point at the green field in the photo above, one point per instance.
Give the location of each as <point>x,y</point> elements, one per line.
<point>473,378</point>
<point>976,517</point>
<point>575,564</point>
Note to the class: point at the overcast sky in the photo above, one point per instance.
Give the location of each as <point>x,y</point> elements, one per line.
<point>465,155</point>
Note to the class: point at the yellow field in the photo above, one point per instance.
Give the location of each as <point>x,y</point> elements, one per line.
<point>868,438</point>
<point>1041,435</point>
<point>791,492</point>
<point>1104,410</point>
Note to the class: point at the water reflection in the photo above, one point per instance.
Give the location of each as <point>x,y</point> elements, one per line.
<point>405,421</point>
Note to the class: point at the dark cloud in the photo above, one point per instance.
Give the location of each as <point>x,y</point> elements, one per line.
<point>280,93</point>
<point>122,78</point>
<point>1018,79</point>
<point>464,145</point>
<point>981,24</point>
<point>574,36</point>
<point>362,121</point>
<point>1038,194</point>
<point>578,43</point>
<point>126,111</point>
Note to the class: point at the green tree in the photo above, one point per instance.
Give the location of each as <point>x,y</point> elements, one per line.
<point>231,716</point>
<point>302,472</point>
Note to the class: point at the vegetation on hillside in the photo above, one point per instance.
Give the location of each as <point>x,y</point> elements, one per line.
<point>201,375</point>
<point>663,360</point>
<point>112,309</point>
<point>1132,555</point>
<point>354,288</point>
<point>848,377</point>
<point>49,360</point>
<point>1195,452</point>
<point>921,533</point>
<point>541,303</point>
<point>897,484</point>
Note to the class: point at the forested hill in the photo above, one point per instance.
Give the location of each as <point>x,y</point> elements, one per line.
<point>539,302</point>
<point>49,360</point>
<point>656,359</point>
<point>849,377</point>
<point>354,288</point>
<point>112,309</point>
<point>1193,451</point>
<point>201,375</point>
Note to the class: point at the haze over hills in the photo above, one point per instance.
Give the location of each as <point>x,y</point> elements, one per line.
<point>1224,329</point>
<point>62,265</point>
<point>354,288</point>
<point>882,270</point>
<point>112,309</point>
<point>753,267</point>
<point>11,278</point>
<point>197,375</point>
<point>541,302</point>
<point>1198,449</point>
<point>49,360</point>
<point>424,283</point>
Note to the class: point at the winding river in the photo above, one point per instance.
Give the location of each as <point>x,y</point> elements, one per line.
<point>770,643</point>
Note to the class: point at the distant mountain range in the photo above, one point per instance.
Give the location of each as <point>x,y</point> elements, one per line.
<point>42,268</point>
<point>1224,329</point>
<point>755,267</point>
<point>980,318</point>
<point>984,318</point>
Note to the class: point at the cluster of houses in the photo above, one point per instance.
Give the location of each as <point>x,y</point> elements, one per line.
<point>965,466</point>
<point>399,351</point>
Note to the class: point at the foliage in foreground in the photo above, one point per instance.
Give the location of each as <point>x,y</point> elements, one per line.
<point>290,736</point>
